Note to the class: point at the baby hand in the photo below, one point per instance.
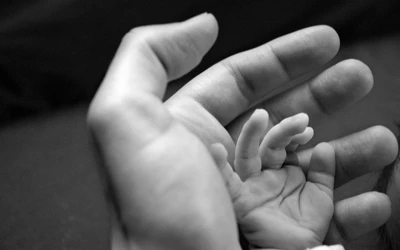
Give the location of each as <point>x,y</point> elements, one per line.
<point>281,208</point>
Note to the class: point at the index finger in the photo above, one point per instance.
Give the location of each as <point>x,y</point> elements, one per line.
<point>230,87</point>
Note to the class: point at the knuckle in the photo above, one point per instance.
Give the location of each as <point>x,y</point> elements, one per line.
<point>242,80</point>
<point>102,115</point>
<point>135,34</point>
<point>380,131</point>
<point>140,37</point>
<point>385,143</point>
<point>140,112</point>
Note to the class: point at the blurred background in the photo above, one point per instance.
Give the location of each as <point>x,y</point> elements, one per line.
<point>54,54</point>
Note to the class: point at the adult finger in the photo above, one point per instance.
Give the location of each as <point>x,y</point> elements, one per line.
<point>146,60</point>
<point>332,90</point>
<point>247,77</point>
<point>358,215</point>
<point>150,56</point>
<point>127,113</point>
<point>133,129</point>
<point>230,87</point>
<point>359,153</point>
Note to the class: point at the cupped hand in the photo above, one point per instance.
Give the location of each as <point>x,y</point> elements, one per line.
<point>129,121</point>
<point>166,188</point>
<point>216,104</point>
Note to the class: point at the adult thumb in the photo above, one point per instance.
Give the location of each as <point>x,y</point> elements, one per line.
<point>150,56</point>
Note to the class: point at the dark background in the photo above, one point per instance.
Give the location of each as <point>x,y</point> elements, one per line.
<point>54,54</point>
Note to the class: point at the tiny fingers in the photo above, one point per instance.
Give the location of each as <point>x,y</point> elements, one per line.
<point>300,139</point>
<point>231,179</point>
<point>247,158</point>
<point>273,146</point>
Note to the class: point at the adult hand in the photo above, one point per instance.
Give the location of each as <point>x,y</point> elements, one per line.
<point>168,191</point>
<point>213,107</point>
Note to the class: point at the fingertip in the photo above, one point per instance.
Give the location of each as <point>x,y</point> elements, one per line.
<point>361,214</point>
<point>368,150</point>
<point>310,133</point>
<point>329,39</point>
<point>300,139</point>
<point>358,72</point>
<point>219,153</point>
<point>260,114</point>
<point>294,124</point>
<point>314,46</point>
<point>302,120</point>
<point>341,85</point>
<point>179,47</point>
<point>325,150</point>
<point>257,122</point>
<point>325,147</point>
<point>380,205</point>
<point>304,137</point>
<point>303,117</point>
<point>386,143</point>
<point>376,206</point>
<point>334,38</point>
<point>205,22</point>
<point>323,159</point>
<point>205,15</point>
<point>219,148</point>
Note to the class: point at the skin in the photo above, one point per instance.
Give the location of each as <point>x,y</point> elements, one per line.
<point>283,208</point>
<point>129,122</point>
<point>276,205</point>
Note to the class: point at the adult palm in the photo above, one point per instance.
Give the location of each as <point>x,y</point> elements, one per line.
<point>175,195</point>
